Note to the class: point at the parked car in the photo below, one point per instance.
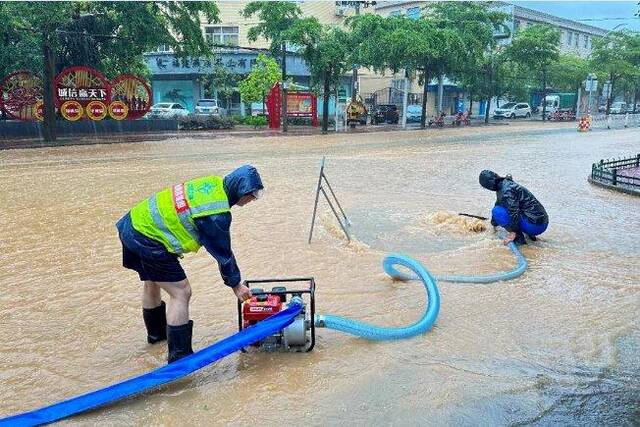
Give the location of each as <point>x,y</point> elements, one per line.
<point>414,113</point>
<point>167,110</point>
<point>512,110</point>
<point>385,113</point>
<point>618,108</point>
<point>209,107</point>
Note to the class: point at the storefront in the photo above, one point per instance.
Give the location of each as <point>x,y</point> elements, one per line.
<point>185,80</point>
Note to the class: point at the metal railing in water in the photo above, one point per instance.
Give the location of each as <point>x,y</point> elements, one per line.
<point>623,173</point>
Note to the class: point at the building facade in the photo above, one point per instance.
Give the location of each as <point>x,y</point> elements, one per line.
<point>185,81</point>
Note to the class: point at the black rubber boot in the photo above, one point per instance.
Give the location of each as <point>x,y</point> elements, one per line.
<point>155,319</point>
<point>520,240</point>
<point>533,238</point>
<point>179,339</point>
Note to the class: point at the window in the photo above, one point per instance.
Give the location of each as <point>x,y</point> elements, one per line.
<point>221,35</point>
<point>398,84</point>
<point>516,25</point>
<point>164,48</point>
<point>413,13</point>
<point>586,42</point>
<point>577,40</point>
<point>570,34</point>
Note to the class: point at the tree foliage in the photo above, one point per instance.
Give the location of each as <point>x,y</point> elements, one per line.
<point>110,36</point>
<point>262,77</point>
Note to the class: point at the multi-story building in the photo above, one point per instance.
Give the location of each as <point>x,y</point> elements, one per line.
<point>186,80</point>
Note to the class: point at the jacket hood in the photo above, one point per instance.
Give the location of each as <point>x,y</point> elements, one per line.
<point>489,180</point>
<point>242,181</point>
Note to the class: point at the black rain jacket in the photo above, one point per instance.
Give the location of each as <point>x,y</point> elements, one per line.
<point>515,198</point>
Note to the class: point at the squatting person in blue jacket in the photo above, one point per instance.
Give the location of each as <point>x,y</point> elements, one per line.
<point>516,209</point>
<point>177,220</point>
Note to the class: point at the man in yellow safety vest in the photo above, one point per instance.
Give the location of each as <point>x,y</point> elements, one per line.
<point>177,220</point>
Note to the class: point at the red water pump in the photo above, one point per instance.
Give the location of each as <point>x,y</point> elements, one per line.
<point>299,336</point>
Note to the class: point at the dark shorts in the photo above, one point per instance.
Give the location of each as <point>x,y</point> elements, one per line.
<point>146,256</point>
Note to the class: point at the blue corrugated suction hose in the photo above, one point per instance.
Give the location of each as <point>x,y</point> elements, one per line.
<point>380,333</point>
<point>153,379</point>
<point>490,278</point>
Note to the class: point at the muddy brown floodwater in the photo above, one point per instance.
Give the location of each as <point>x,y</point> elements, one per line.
<point>558,345</point>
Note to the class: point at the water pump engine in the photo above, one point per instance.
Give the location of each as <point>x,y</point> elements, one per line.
<point>299,336</point>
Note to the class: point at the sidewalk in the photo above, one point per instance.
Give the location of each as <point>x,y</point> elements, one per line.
<point>294,131</point>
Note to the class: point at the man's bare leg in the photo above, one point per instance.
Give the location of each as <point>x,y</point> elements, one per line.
<point>179,297</point>
<point>151,295</point>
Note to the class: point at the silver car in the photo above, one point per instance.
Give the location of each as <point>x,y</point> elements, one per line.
<point>209,107</point>
<point>512,110</point>
<point>167,110</point>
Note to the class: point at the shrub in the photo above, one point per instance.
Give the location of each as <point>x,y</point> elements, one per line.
<point>193,122</point>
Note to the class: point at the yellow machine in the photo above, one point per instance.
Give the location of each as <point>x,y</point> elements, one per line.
<point>356,112</point>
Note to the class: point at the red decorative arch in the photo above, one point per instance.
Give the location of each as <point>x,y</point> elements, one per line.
<point>20,91</point>
<point>82,84</point>
<point>134,92</point>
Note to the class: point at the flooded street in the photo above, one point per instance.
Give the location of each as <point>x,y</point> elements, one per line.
<point>558,345</point>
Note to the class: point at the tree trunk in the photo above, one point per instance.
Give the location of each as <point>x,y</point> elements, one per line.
<point>49,123</point>
<point>325,102</point>
<point>264,108</point>
<point>470,105</point>
<point>544,94</point>
<point>575,106</point>
<point>635,100</point>
<point>486,112</point>
<point>285,126</point>
<point>425,90</point>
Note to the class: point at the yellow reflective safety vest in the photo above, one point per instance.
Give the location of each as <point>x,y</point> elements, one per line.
<point>167,216</point>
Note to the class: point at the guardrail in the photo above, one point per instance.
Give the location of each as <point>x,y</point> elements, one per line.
<point>615,121</point>
<point>621,174</point>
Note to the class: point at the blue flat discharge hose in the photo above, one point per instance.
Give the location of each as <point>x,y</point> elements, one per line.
<point>163,375</point>
<point>234,343</point>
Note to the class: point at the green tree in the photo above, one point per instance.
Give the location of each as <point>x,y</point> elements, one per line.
<point>222,82</point>
<point>328,60</point>
<point>615,57</point>
<point>471,56</point>
<point>279,22</point>
<point>568,73</point>
<point>111,36</point>
<point>536,47</point>
<point>260,80</point>
<point>400,43</point>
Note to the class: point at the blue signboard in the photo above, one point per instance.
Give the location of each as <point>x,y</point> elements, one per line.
<point>234,61</point>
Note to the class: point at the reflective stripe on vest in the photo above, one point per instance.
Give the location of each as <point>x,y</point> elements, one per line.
<point>159,223</point>
<point>168,216</point>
